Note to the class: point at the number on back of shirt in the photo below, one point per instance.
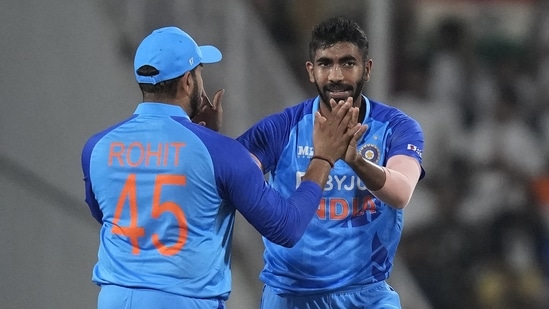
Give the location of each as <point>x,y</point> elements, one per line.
<point>134,232</point>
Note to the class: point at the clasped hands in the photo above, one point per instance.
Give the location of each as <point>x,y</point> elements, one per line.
<point>336,134</point>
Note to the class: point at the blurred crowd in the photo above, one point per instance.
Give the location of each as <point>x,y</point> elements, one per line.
<point>476,232</point>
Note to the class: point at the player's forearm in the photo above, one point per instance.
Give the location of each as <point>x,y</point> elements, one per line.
<point>282,220</point>
<point>304,202</point>
<point>397,190</point>
<point>393,184</point>
<point>318,171</point>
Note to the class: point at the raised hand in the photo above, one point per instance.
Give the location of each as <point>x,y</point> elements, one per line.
<point>334,132</point>
<point>352,154</point>
<point>210,114</point>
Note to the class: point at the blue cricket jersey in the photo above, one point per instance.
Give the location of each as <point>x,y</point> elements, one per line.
<point>353,237</point>
<point>165,191</point>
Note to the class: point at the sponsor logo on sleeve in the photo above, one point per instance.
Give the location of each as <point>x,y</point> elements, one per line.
<point>415,149</point>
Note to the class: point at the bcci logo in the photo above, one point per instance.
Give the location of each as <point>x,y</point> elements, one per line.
<point>370,152</point>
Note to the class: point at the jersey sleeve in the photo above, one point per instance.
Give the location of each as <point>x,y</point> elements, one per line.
<point>85,161</point>
<point>90,196</point>
<point>240,181</point>
<point>267,138</point>
<point>406,139</point>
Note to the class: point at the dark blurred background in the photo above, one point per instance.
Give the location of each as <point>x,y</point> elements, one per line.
<point>474,73</point>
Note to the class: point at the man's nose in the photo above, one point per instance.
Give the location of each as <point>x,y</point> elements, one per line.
<point>335,73</point>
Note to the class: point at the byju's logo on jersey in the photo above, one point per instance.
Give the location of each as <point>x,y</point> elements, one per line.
<point>305,151</point>
<point>370,152</point>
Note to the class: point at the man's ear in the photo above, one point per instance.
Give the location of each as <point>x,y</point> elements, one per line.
<point>367,70</point>
<point>186,83</point>
<point>310,67</point>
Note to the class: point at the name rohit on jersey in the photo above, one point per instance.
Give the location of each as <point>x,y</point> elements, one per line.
<point>149,154</point>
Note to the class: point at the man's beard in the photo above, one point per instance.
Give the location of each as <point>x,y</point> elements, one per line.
<point>356,93</point>
<point>195,99</point>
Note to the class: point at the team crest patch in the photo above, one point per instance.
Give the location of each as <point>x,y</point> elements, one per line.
<point>370,152</point>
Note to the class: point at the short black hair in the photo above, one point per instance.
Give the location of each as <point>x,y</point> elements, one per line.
<point>166,89</point>
<point>335,30</point>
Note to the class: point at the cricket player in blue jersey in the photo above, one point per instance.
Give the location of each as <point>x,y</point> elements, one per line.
<point>347,251</point>
<point>165,189</point>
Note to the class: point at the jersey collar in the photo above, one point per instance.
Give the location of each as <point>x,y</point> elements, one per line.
<point>161,109</point>
<point>316,105</point>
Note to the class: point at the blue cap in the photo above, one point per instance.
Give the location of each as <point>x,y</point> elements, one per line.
<point>173,53</point>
